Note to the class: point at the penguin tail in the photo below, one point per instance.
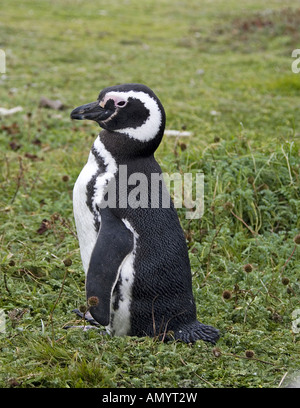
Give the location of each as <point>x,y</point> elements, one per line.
<point>191,332</point>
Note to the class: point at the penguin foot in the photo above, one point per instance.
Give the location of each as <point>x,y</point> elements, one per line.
<point>84,328</point>
<point>191,332</point>
<point>93,324</point>
<point>86,316</point>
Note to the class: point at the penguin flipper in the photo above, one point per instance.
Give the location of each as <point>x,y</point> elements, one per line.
<point>191,332</point>
<point>113,244</point>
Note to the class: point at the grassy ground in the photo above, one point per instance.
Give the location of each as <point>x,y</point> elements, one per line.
<point>223,71</point>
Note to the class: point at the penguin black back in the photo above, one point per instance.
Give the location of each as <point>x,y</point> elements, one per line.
<point>132,245</point>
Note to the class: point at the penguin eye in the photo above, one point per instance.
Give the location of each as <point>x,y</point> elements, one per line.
<point>121,103</point>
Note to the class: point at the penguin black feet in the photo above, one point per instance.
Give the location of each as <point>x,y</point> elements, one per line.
<point>191,332</point>
<point>92,323</point>
<point>86,316</point>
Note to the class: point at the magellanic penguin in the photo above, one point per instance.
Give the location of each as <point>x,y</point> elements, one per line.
<point>135,257</point>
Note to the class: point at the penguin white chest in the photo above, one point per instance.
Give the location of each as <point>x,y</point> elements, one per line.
<point>84,217</point>
<point>88,193</point>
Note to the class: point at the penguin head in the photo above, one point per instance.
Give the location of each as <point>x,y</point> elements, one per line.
<point>132,110</point>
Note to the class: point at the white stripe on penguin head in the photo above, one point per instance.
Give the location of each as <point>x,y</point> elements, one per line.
<point>150,128</point>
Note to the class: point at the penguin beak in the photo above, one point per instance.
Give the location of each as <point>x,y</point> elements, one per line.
<point>92,111</point>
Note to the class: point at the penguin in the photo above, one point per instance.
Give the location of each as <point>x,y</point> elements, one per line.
<point>137,271</point>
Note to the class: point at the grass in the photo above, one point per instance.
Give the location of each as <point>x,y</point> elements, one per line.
<point>223,71</point>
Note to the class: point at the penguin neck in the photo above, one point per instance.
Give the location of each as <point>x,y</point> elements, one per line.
<point>124,148</point>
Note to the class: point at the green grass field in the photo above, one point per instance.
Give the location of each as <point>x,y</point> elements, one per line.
<point>223,72</point>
